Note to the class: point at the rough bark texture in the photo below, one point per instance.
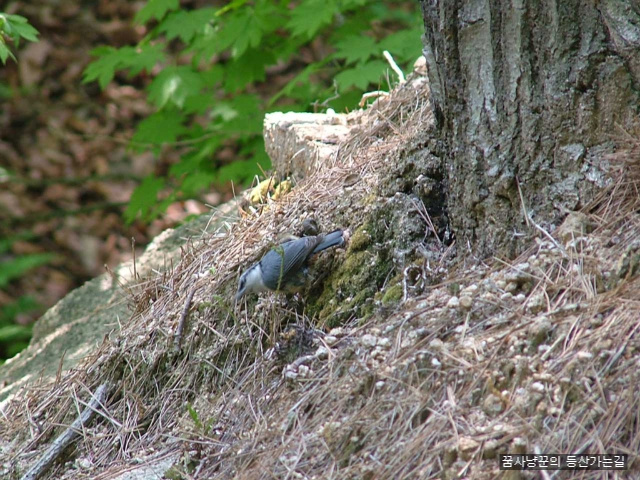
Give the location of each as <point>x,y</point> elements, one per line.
<point>529,96</point>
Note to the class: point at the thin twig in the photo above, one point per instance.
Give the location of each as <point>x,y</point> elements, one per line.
<point>68,436</point>
<point>394,66</point>
<point>374,94</point>
<point>183,319</point>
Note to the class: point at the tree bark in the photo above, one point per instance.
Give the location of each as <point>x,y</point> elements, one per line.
<point>528,96</point>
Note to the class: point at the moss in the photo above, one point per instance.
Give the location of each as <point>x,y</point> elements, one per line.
<point>354,264</point>
<point>174,473</point>
<point>349,291</point>
<point>360,240</point>
<point>454,288</point>
<point>202,306</point>
<point>392,295</point>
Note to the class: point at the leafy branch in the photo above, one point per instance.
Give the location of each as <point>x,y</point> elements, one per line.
<point>216,72</point>
<point>13,28</point>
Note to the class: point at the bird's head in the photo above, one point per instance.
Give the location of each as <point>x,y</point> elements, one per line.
<point>250,281</point>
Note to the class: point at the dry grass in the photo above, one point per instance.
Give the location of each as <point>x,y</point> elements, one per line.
<point>540,354</point>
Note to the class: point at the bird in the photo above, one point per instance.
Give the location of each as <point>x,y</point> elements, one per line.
<point>284,268</point>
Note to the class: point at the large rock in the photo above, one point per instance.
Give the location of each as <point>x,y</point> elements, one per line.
<point>74,326</point>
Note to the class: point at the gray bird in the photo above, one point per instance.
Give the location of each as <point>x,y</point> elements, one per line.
<point>285,267</point>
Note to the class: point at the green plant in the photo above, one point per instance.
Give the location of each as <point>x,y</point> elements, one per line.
<point>15,337</point>
<point>217,71</point>
<point>203,428</point>
<point>14,28</point>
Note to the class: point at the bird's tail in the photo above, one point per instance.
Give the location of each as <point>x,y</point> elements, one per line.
<point>333,239</point>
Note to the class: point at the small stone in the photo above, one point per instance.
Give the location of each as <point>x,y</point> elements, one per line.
<point>492,405</point>
<point>576,224</point>
<point>83,463</point>
<point>537,387</point>
<point>369,340</point>
<point>537,302</point>
<point>518,445</point>
<point>322,353</point>
<point>490,449</point>
<point>470,290</point>
<point>511,287</point>
<point>582,355</point>
<point>337,332</point>
<point>544,348</point>
<point>467,447</point>
<point>453,302</point>
<point>466,302</point>
<point>330,340</point>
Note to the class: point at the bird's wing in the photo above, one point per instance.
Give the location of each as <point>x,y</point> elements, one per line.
<point>286,260</point>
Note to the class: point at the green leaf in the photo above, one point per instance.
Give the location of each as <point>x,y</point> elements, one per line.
<point>310,16</point>
<point>351,4</point>
<point>198,103</point>
<point>187,24</point>
<point>243,171</point>
<point>238,171</point>
<point>21,28</point>
<point>15,348</point>
<point>144,57</point>
<point>242,114</point>
<point>12,333</point>
<point>14,27</point>
<point>233,5</point>
<point>136,59</point>
<point>5,52</point>
<point>251,38</point>
<point>356,48</point>
<point>233,32</point>
<point>249,68</point>
<point>197,182</point>
<point>174,85</point>
<point>359,24</point>
<point>204,45</point>
<point>194,416</point>
<point>404,46</point>
<point>362,75</point>
<point>155,9</point>
<point>302,78</point>
<point>17,266</point>
<point>268,16</point>
<point>23,304</point>
<point>144,198</point>
<point>104,68</point>
<point>161,127</point>
<point>193,161</point>
<point>346,100</point>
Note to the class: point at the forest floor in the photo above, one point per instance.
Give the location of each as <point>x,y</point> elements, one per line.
<point>536,355</point>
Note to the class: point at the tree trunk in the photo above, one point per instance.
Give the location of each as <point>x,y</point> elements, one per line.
<point>528,96</point>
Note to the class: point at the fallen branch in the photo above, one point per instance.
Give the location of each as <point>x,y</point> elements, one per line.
<point>68,436</point>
